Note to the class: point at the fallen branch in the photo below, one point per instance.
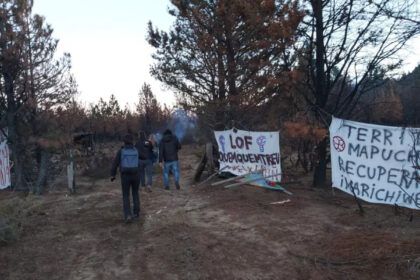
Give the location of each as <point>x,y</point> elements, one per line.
<point>280,202</point>
<point>211,176</point>
<point>251,180</point>
<point>235,178</point>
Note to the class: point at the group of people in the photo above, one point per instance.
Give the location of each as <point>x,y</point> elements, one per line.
<point>135,161</point>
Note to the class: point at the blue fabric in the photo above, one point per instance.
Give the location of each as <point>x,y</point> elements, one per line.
<point>174,166</point>
<point>129,159</point>
<point>146,172</point>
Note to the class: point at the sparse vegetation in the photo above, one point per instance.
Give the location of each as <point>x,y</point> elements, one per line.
<point>277,65</point>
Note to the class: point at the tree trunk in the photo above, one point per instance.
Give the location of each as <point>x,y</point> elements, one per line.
<point>12,137</point>
<point>210,159</point>
<point>200,167</point>
<point>43,172</point>
<point>320,173</point>
<point>320,76</point>
<point>71,180</point>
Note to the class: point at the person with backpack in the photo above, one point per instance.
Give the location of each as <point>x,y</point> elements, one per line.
<point>145,148</point>
<point>127,160</point>
<point>168,156</point>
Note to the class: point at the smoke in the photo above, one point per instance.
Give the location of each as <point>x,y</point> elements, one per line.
<point>158,137</point>
<point>182,123</point>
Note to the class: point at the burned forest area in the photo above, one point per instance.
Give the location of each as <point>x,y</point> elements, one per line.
<point>274,139</point>
<point>207,232</point>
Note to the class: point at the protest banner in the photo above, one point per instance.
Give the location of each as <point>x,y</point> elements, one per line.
<point>242,152</point>
<point>4,162</point>
<point>376,162</point>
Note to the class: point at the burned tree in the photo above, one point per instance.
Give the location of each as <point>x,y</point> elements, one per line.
<point>32,81</point>
<point>349,48</point>
<point>225,58</point>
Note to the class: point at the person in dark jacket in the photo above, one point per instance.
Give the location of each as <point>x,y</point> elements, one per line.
<point>127,160</point>
<point>145,149</point>
<point>168,155</point>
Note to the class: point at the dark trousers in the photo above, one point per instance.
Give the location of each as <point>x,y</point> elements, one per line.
<point>146,172</point>
<point>130,182</point>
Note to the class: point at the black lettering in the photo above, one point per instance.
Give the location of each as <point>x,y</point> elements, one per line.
<point>391,176</point>
<point>361,134</point>
<point>375,135</point>
<point>239,142</point>
<point>405,179</point>
<point>248,141</point>
<point>350,128</point>
<point>349,167</point>
<point>372,192</point>
<point>252,158</point>
<point>371,176</point>
<point>231,142</point>
<point>407,198</point>
<point>413,156</point>
<point>353,148</point>
<point>382,171</point>
<point>401,159</point>
<point>389,197</point>
<point>365,189</point>
<point>384,157</point>
<point>356,189</point>
<point>358,171</point>
<point>349,184</point>
<point>387,137</point>
<point>376,195</point>
<point>402,136</point>
<point>374,150</point>
<point>239,158</point>
<point>341,164</point>
<point>364,152</point>
<point>398,197</point>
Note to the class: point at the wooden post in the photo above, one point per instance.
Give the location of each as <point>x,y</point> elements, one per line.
<point>71,182</point>
<point>200,167</point>
<point>250,181</point>
<point>209,155</point>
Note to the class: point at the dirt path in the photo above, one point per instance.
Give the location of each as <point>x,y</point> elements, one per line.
<point>210,233</point>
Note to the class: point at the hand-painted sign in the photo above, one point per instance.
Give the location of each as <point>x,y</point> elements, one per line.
<point>4,163</point>
<point>241,152</point>
<point>376,163</point>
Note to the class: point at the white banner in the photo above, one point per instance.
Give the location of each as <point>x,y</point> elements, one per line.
<point>4,163</point>
<point>377,163</point>
<point>241,152</point>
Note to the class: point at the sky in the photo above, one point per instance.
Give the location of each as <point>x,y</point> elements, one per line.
<point>107,42</point>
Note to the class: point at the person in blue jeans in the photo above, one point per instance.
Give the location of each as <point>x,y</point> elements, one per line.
<point>168,156</point>
<point>145,148</point>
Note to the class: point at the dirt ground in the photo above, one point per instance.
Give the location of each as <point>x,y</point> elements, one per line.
<point>209,233</point>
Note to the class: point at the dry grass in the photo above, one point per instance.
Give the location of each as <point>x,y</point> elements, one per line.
<point>13,217</point>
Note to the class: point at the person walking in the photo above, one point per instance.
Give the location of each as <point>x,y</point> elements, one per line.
<point>168,157</point>
<point>127,160</point>
<point>145,149</point>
